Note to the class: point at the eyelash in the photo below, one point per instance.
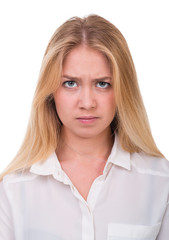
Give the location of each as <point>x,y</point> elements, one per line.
<point>67,82</point>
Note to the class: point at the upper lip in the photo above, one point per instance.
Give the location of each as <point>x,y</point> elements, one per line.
<point>87,117</point>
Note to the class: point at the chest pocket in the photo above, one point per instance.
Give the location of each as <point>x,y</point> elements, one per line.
<point>132,232</point>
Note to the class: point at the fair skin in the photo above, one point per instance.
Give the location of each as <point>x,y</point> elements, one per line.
<point>85,104</point>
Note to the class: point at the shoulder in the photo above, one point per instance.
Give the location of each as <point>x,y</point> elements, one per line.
<point>150,164</point>
<point>17,177</point>
<point>12,184</point>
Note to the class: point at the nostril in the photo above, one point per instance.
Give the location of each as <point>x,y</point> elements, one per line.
<point>87,103</point>
<point>87,99</point>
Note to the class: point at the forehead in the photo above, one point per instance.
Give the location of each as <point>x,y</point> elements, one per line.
<point>84,59</point>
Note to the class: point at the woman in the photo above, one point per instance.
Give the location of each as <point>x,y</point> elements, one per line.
<point>88,167</point>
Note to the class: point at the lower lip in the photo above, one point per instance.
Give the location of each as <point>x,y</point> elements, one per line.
<point>87,120</point>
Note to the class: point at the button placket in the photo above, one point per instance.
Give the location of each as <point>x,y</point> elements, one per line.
<point>87,222</point>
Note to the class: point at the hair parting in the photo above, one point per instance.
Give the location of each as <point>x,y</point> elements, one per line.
<point>130,122</point>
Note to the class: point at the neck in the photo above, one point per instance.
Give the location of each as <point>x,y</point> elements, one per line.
<point>85,149</point>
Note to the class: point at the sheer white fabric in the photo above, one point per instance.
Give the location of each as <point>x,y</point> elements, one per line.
<point>129,201</point>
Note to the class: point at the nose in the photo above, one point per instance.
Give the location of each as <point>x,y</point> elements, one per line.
<point>87,98</point>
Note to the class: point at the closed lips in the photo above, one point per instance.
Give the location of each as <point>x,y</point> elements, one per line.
<point>86,117</point>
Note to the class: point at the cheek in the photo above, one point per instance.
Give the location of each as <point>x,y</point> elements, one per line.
<point>60,99</point>
<point>109,101</point>
<point>63,105</point>
<point>109,107</point>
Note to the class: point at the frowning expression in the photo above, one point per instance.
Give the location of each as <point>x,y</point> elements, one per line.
<point>85,100</point>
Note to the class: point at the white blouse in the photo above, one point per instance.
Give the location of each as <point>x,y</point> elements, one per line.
<point>129,201</point>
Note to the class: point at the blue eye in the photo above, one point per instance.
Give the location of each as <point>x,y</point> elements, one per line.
<point>103,84</point>
<point>70,84</point>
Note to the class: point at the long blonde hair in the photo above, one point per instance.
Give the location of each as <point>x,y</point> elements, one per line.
<point>130,121</point>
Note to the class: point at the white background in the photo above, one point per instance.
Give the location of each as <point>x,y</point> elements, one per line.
<point>27,26</point>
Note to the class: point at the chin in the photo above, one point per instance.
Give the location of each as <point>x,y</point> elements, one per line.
<point>88,134</point>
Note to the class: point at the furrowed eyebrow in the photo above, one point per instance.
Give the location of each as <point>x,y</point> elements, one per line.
<point>96,79</point>
<point>70,77</point>
<point>103,78</point>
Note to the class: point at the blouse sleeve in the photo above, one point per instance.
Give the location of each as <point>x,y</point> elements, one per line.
<point>164,231</point>
<point>6,225</point>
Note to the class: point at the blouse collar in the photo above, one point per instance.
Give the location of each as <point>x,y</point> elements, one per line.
<point>51,166</point>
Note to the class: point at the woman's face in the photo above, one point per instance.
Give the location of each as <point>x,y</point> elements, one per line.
<point>85,99</point>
